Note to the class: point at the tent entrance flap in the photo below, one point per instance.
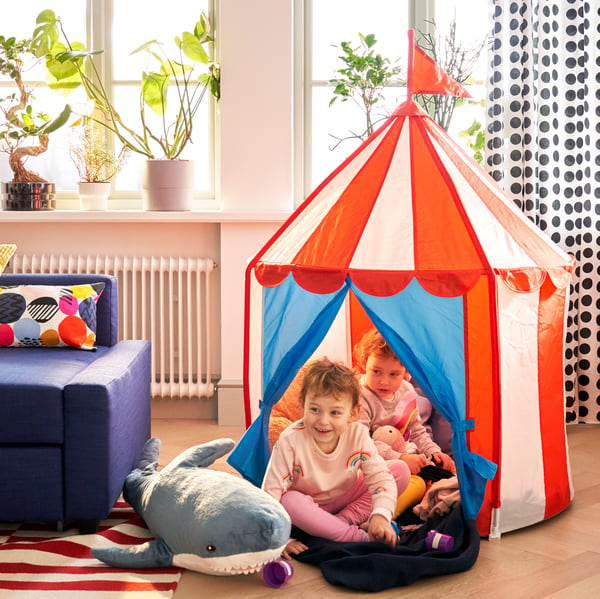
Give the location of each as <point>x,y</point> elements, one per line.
<point>432,349</point>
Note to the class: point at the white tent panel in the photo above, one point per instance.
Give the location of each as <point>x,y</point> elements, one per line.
<point>255,324</point>
<point>522,486</point>
<point>501,250</point>
<point>336,344</point>
<point>389,232</point>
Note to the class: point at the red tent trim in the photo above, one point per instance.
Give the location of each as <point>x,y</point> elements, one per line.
<point>383,283</point>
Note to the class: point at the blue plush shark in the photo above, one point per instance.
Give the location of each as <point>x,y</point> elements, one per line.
<point>204,520</point>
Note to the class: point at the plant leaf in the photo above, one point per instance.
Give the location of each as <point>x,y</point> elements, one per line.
<point>144,47</point>
<point>192,47</point>
<point>57,123</point>
<point>154,91</point>
<point>170,68</point>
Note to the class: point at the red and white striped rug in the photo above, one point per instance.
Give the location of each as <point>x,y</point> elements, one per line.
<point>37,562</point>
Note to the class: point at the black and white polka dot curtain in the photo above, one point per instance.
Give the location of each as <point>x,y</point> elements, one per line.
<point>543,148</point>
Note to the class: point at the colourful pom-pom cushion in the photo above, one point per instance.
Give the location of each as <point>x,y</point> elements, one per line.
<point>49,316</point>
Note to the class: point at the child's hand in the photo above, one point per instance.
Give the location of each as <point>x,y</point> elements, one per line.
<point>414,461</point>
<point>293,548</point>
<point>381,531</point>
<point>444,460</point>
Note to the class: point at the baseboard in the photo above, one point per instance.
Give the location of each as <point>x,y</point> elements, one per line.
<point>199,409</point>
<point>230,409</point>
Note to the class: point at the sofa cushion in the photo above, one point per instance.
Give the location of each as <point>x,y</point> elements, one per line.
<point>107,307</point>
<point>49,315</point>
<point>31,391</point>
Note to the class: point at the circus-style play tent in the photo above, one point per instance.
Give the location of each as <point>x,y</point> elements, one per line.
<point>469,294</point>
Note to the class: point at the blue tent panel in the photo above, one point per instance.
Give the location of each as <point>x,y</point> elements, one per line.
<point>432,349</point>
<point>295,323</point>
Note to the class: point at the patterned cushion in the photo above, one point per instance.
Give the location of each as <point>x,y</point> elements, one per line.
<point>49,316</point>
<point>6,253</point>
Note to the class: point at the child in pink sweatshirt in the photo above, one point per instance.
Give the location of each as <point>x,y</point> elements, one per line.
<point>325,469</point>
<point>388,398</point>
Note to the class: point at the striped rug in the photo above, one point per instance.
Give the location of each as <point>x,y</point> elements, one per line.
<point>36,562</point>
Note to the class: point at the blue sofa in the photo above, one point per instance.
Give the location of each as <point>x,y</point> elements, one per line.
<point>72,422</point>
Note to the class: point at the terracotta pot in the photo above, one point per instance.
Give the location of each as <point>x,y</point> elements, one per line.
<point>167,184</point>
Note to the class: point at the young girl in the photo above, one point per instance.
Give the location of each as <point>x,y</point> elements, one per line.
<point>387,398</point>
<point>325,469</point>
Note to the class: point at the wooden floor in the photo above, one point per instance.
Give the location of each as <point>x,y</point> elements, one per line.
<point>559,558</point>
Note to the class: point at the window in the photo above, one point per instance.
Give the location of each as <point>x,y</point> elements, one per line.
<point>327,23</point>
<point>117,28</point>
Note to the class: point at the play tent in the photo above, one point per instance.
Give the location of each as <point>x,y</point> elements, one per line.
<point>469,294</point>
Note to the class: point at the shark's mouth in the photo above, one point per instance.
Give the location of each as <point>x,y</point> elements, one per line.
<point>228,565</point>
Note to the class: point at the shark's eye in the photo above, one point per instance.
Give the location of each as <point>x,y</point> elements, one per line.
<point>211,548</point>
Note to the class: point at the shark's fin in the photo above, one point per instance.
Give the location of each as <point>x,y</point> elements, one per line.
<point>149,455</point>
<point>152,554</point>
<point>201,455</point>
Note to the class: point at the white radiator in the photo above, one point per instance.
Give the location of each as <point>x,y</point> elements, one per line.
<point>164,299</point>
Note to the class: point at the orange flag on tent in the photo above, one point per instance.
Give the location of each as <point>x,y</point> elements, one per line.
<point>426,77</point>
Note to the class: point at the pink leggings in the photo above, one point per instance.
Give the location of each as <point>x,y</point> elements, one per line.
<point>340,520</point>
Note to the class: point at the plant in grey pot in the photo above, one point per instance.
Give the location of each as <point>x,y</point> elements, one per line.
<point>25,128</point>
<point>96,163</point>
<point>173,90</point>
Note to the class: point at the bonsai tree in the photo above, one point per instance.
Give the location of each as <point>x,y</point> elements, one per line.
<point>190,73</point>
<point>25,130</point>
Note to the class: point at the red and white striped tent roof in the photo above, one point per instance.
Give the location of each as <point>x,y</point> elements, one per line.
<point>470,295</point>
<point>409,203</point>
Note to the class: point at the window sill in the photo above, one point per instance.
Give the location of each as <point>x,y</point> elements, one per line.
<point>141,216</point>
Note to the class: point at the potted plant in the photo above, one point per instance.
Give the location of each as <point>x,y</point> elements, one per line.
<point>96,164</point>
<point>363,78</point>
<point>25,130</point>
<point>188,76</point>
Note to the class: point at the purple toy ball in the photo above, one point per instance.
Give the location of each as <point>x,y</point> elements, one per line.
<point>436,541</point>
<point>276,574</point>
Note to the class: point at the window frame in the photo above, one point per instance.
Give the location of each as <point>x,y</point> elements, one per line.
<point>97,20</point>
<point>100,18</point>
<point>420,16</point>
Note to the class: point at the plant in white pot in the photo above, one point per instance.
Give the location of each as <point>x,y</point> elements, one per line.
<point>25,128</point>
<point>96,164</point>
<point>173,90</point>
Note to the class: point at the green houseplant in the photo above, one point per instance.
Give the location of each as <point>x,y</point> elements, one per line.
<point>173,90</point>
<point>25,129</point>
<point>365,75</point>
<point>363,79</point>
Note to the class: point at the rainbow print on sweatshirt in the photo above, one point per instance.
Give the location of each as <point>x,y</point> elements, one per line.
<point>356,458</point>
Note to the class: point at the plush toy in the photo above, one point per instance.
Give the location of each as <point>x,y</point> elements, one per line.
<point>204,520</point>
<point>391,442</point>
<point>287,410</point>
<point>391,445</point>
<point>392,437</point>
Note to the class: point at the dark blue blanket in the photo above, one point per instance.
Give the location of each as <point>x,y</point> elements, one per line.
<point>375,567</point>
